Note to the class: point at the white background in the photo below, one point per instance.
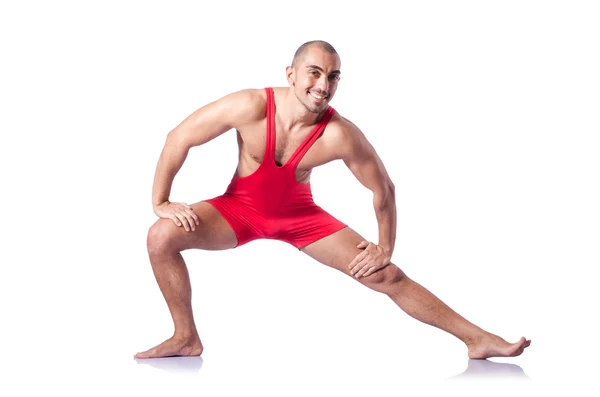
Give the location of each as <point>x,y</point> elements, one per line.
<point>486,115</point>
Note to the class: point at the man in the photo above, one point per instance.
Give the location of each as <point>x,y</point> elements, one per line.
<point>283,133</point>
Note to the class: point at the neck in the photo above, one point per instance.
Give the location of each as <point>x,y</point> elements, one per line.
<point>293,114</point>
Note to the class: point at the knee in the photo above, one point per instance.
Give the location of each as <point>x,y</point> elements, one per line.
<point>160,238</point>
<point>385,280</point>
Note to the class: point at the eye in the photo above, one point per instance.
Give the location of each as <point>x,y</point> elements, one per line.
<point>314,72</point>
<point>334,77</point>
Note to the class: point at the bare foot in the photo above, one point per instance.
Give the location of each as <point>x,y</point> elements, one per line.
<point>491,345</point>
<point>174,347</point>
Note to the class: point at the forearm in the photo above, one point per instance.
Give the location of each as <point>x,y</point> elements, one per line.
<point>385,212</point>
<point>170,162</point>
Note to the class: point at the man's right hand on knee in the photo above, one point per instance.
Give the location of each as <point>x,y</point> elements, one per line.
<point>180,213</point>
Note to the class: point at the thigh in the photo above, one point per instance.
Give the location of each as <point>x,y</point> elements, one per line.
<point>339,249</point>
<point>213,232</point>
<point>308,226</point>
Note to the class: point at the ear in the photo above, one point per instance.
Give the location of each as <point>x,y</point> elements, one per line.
<point>291,75</point>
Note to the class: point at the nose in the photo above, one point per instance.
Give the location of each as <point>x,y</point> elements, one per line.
<point>323,83</point>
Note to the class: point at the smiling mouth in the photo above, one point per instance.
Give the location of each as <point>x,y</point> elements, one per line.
<point>318,97</point>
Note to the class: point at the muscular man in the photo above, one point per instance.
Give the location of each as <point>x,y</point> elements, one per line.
<point>283,133</point>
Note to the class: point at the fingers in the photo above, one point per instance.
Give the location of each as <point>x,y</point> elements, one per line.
<point>361,267</point>
<point>360,263</point>
<point>355,264</point>
<point>193,214</point>
<point>365,264</point>
<point>370,270</point>
<point>180,220</point>
<point>186,217</point>
<point>190,217</point>
<point>367,267</point>
<point>368,261</point>
<point>362,244</point>
<point>175,220</point>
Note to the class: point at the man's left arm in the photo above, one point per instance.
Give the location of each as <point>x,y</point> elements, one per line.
<point>364,162</point>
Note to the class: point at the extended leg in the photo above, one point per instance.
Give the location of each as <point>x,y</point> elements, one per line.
<point>165,243</point>
<point>338,250</point>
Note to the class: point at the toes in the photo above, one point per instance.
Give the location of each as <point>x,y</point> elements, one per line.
<point>521,348</point>
<point>520,343</point>
<point>517,348</point>
<point>146,354</point>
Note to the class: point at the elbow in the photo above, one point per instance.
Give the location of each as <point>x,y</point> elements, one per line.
<point>177,142</point>
<point>385,197</point>
<point>392,188</point>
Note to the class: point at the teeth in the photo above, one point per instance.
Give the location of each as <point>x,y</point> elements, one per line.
<point>317,96</point>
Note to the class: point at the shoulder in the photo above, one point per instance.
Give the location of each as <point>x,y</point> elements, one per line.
<point>244,106</point>
<point>345,139</point>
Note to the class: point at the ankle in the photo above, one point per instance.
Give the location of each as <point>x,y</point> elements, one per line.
<point>475,339</point>
<point>185,334</point>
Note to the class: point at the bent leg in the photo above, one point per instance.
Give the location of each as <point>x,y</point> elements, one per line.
<point>339,249</point>
<point>165,243</point>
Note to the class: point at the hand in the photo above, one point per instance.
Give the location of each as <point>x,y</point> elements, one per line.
<point>373,258</point>
<point>180,213</point>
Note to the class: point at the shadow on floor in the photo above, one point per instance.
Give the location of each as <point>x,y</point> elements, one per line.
<point>182,365</point>
<point>486,369</point>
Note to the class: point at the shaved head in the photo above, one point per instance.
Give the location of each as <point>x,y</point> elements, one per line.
<point>314,74</point>
<point>303,49</point>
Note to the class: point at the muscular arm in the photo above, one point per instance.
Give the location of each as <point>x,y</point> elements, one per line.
<point>200,127</point>
<point>362,159</point>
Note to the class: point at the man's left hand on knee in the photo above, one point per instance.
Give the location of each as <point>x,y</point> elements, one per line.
<point>372,258</point>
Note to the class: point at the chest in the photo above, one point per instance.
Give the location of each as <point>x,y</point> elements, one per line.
<point>286,144</point>
<point>252,142</point>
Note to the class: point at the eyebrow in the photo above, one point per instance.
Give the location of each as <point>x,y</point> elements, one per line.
<point>319,68</point>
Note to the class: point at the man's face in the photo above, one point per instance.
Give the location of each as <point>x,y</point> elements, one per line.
<point>315,78</point>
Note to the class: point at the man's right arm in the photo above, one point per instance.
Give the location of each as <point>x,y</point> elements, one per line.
<point>203,125</point>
